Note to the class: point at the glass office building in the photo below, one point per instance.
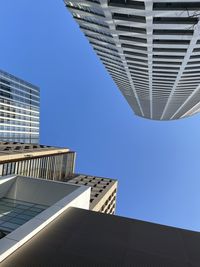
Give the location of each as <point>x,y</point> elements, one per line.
<point>19,110</point>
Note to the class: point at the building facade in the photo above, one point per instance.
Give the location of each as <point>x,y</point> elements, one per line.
<point>19,110</point>
<point>150,48</point>
<point>39,161</point>
<point>103,191</point>
<point>27,205</point>
<point>80,237</point>
<point>57,164</point>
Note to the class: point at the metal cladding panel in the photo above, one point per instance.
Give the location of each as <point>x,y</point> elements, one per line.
<point>80,237</point>
<point>150,48</point>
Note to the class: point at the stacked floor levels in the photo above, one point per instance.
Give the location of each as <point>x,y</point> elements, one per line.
<point>103,191</point>
<point>150,48</point>
<point>58,164</point>
<point>19,110</point>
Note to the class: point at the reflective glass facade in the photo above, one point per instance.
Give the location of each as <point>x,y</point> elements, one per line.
<point>19,110</point>
<point>14,213</point>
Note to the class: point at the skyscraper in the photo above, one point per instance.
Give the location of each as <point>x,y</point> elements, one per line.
<point>19,110</point>
<point>150,48</point>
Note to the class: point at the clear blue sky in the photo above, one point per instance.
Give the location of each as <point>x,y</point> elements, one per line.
<point>157,163</point>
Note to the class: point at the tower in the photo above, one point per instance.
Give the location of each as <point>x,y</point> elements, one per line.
<point>150,48</point>
<point>19,110</point>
